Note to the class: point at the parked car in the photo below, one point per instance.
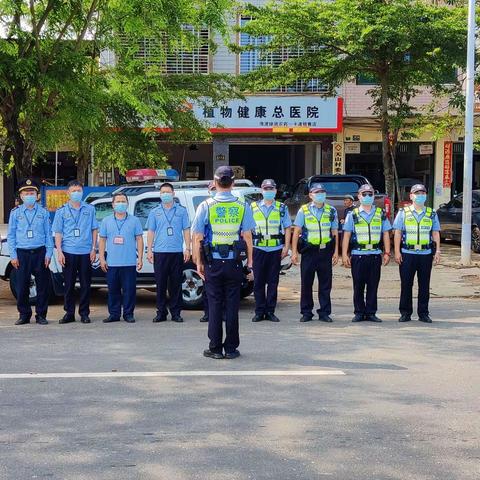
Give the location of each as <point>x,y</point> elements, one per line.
<point>140,204</point>
<point>450,216</point>
<point>337,186</point>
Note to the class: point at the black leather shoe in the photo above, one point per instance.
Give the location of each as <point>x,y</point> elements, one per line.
<point>358,318</point>
<point>177,318</point>
<point>372,318</point>
<point>232,355</point>
<point>271,317</point>
<point>305,318</point>
<point>42,320</point>
<point>66,319</point>
<point>22,321</point>
<point>258,318</point>
<point>425,319</point>
<point>130,319</point>
<point>325,318</point>
<point>159,319</point>
<point>208,353</point>
<point>110,320</point>
<point>405,318</point>
<point>85,319</point>
<point>204,319</point>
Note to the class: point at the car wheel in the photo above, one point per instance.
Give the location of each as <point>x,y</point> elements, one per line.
<point>476,239</point>
<point>32,298</point>
<point>192,289</point>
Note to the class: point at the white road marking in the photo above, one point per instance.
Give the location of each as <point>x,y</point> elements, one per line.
<point>190,373</point>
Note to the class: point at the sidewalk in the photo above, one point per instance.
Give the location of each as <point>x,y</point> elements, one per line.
<point>449,280</point>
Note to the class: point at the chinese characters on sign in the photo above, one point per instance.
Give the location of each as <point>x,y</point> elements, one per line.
<point>338,159</point>
<point>447,164</point>
<point>267,113</point>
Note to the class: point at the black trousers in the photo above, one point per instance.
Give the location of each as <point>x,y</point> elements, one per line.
<point>32,262</point>
<point>77,265</point>
<point>224,282</point>
<point>266,272</point>
<point>168,269</point>
<point>317,262</point>
<point>366,270</point>
<point>422,266</point>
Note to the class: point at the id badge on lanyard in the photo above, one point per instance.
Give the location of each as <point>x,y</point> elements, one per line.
<point>76,232</point>
<point>170,231</point>
<point>29,233</point>
<point>118,240</point>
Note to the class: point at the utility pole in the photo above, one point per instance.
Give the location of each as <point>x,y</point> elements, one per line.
<point>466,252</point>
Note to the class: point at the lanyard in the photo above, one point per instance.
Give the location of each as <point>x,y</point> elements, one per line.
<point>169,220</point>
<point>29,223</point>
<point>75,220</point>
<point>119,228</point>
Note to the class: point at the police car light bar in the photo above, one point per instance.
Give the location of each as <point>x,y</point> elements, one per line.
<point>149,174</point>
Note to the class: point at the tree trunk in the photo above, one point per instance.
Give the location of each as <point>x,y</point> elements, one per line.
<point>83,159</point>
<point>385,127</point>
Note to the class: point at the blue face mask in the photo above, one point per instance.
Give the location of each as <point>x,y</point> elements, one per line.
<point>212,193</point>
<point>120,207</point>
<point>269,194</point>
<point>367,200</point>
<point>319,197</point>
<point>420,199</point>
<point>76,196</point>
<point>29,199</point>
<point>166,197</point>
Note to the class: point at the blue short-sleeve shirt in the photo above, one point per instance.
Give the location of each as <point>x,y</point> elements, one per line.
<point>168,225</point>
<point>201,220</point>
<point>29,229</point>
<point>285,222</point>
<point>399,224</point>
<point>349,226</point>
<point>121,254</point>
<point>76,226</point>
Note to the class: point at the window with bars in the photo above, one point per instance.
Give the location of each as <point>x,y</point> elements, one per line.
<point>252,59</point>
<point>177,59</point>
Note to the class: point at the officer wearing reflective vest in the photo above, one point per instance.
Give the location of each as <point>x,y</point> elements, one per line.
<point>417,247</point>
<point>315,236</point>
<point>364,229</point>
<point>271,243</point>
<point>223,238</point>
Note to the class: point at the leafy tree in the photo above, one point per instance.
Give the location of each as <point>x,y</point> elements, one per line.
<point>404,46</point>
<point>52,88</point>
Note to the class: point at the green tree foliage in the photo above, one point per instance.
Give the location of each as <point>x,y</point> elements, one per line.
<point>404,46</point>
<point>53,89</point>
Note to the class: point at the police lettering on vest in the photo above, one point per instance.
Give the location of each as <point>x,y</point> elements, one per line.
<point>417,235</point>
<point>367,235</point>
<point>268,230</point>
<point>318,231</point>
<point>225,219</point>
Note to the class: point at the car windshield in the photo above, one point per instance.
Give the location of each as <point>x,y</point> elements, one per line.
<point>103,210</point>
<point>341,188</point>
<point>198,199</point>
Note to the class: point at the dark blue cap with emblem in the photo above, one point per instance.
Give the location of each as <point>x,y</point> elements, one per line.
<point>317,187</point>
<point>269,183</point>
<point>224,172</point>
<point>28,184</point>
<point>418,188</point>
<point>366,187</point>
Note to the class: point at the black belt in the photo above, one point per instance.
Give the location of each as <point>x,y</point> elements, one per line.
<point>417,247</point>
<point>31,250</point>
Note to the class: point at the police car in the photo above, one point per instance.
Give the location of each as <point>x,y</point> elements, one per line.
<point>140,204</point>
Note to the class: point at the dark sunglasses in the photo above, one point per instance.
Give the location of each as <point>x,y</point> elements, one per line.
<point>367,194</point>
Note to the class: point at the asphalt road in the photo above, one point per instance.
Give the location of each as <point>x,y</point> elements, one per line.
<point>407,406</point>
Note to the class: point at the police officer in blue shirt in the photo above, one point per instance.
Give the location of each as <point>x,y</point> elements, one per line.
<point>168,247</point>
<point>30,244</point>
<point>76,229</point>
<point>271,243</point>
<point>316,226</point>
<point>121,236</point>
<point>363,230</point>
<point>223,239</point>
<point>417,246</point>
